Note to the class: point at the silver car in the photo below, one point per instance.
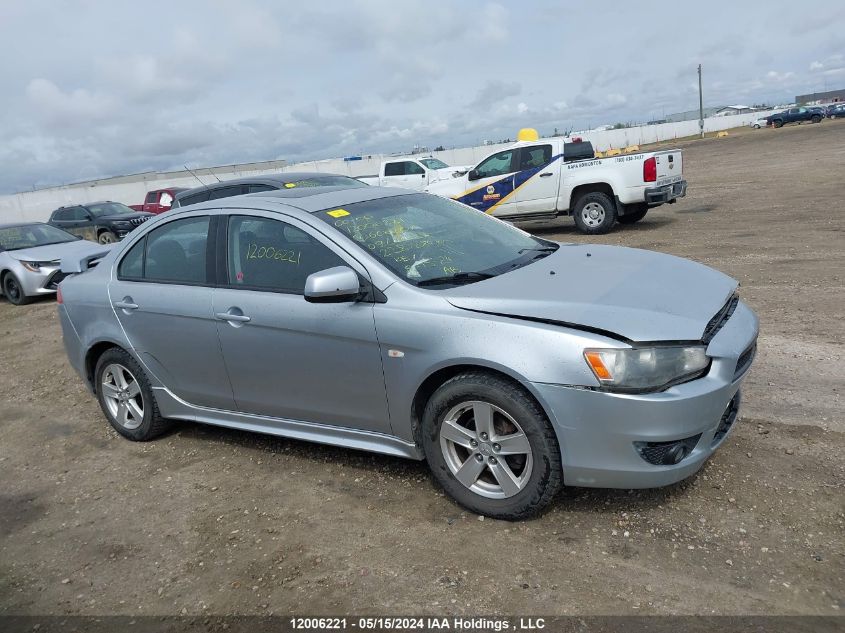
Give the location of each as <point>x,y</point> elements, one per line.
<point>30,257</point>
<point>407,324</point>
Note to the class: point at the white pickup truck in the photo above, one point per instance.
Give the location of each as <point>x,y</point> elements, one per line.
<point>545,178</point>
<point>412,173</point>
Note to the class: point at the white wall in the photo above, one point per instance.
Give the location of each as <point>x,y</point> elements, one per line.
<point>37,205</point>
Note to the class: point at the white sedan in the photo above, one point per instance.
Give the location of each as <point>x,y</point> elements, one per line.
<point>758,123</point>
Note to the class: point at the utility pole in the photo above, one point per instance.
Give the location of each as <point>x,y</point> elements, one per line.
<point>700,104</point>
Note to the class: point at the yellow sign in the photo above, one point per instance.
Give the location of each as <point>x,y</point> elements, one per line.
<point>338,213</point>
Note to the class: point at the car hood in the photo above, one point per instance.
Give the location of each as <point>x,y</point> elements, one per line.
<point>635,294</point>
<point>53,252</point>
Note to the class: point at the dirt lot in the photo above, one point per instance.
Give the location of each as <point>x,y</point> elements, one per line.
<point>213,521</point>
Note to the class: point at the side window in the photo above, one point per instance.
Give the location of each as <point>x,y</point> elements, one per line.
<point>62,215</point>
<point>255,188</point>
<point>497,164</point>
<point>534,157</point>
<point>152,197</point>
<point>225,192</point>
<point>267,254</point>
<point>413,169</point>
<point>176,252</point>
<point>394,169</point>
<point>202,196</point>
<point>132,264</point>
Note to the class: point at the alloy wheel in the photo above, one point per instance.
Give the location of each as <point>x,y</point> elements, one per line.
<point>122,396</point>
<point>486,449</point>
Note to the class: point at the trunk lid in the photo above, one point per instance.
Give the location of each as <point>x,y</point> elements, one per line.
<point>670,166</point>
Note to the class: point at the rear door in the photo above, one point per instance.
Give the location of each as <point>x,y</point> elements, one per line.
<point>78,221</point>
<point>288,358</point>
<point>162,295</point>
<point>538,179</point>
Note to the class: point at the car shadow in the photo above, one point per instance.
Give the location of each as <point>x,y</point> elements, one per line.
<point>567,227</point>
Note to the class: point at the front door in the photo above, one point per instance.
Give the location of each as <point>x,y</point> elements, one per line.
<point>493,191</point>
<point>288,358</point>
<point>162,297</point>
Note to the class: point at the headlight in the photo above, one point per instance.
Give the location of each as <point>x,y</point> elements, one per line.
<point>35,267</point>
<point>646,368</point>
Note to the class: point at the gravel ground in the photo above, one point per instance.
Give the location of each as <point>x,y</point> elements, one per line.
<point>210,521</point>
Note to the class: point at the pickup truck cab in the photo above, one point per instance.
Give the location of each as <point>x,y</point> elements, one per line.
<point>795,115</point>
<point>412,173</point>
<point>545,178</point>
<point>158,200</point>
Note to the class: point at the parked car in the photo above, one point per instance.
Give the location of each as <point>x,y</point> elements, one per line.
<point>30,257</point>
<point>103,222</point>
<point>412,325</point>
<point>758,123</point>
<point>413,173</point>
<point>794,115</point>
<point>257,184</point>
<point>546,178</point>
<point>158,200</point>
<point>836,110</point>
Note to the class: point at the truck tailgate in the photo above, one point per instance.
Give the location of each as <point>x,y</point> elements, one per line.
<point>670,166</point>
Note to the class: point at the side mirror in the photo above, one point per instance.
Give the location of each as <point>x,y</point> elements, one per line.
<point>333,285</point>
<point>473,174</point>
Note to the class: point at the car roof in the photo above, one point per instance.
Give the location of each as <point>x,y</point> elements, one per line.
<point>15,224</point>
<point>309,199</point>
<point>268,179</point>
<point>86,204</point>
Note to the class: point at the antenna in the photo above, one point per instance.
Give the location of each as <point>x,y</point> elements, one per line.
<point>213,174</point>
<point>197,177</point>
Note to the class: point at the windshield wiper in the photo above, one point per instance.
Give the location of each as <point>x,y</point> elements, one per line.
<point>457,278</point>
<point>542,249</point>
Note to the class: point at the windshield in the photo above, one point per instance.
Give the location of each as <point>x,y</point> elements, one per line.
<point>433,242</point>
<point>108,208</point>
<point>434,163</point>
<point>326,181</point>
<point>13,238</point>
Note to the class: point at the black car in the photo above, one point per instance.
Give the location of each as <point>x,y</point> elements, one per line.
<point>256,184</point>
<point>103,222</point>
<point>837,110</point>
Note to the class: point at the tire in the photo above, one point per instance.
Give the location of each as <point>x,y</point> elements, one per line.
<point>778,123</point>
<point>139,423</point>
<point>13,291</point>
<point>637,212</point>
<point>595,213</point>
<point>106,237</point>
<point>756,127</point>
<point>816,119</point>
<point>449,429</point>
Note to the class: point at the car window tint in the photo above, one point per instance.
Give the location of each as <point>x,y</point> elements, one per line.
<point>225,192</point>
<point>394,169</point>
<point>255,188</point>
<point>152,196</point>
<point>268,254</point>
<point>176,251</point>
<point>79,214</point>
<point>202,196</point>
<point>533,157</point>
<point>414,169</point>
<point>132,264</point>
<point>496,165</point>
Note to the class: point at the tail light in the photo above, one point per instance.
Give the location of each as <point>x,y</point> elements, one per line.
<point>59,299</point>
<point>650,169</point>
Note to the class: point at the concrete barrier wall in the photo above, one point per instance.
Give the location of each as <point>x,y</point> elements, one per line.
<point>37,205</point>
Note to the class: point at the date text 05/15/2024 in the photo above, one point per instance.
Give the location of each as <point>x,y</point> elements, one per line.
<point>456,623</point>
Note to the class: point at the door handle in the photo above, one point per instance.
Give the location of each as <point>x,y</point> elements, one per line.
<point>236,318</point>
<point>126,304</point>
<point>546,174</point>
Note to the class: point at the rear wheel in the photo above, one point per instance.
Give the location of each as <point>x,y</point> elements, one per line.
<point>636,212</point>
<point>107,237</point>
<point>778,123</point>
<point>491,447</point>
<point>126,397</point>
<point>14,291</point>
<point>595,213</point>
<point>816,119</point>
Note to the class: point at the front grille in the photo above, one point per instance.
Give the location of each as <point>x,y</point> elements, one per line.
<point>718,321</point>
<point>744,360</point>
<point>54,280</point>
<point>728,419</point>
<point>658,453</point>
<point>139,221</point>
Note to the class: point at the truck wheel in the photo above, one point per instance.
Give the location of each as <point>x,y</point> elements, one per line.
<point>595,213</point>
<point>635,214</point>
<point>107,237</point>
<point>778,123</point>
<point>816,119</point>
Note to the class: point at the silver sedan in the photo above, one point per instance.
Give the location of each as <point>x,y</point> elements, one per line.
<point>407,324</point>
<point>30,257</point>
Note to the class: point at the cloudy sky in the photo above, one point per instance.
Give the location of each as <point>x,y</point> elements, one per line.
<point>100,88</point>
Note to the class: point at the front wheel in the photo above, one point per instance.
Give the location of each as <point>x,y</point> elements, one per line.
<point>491,447</point>
<point>107,237</point>
<point>595,213</point>
<point>778,124</point>
<point>14,291</point>
<point>636,214</point>
<point>816,119</point>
